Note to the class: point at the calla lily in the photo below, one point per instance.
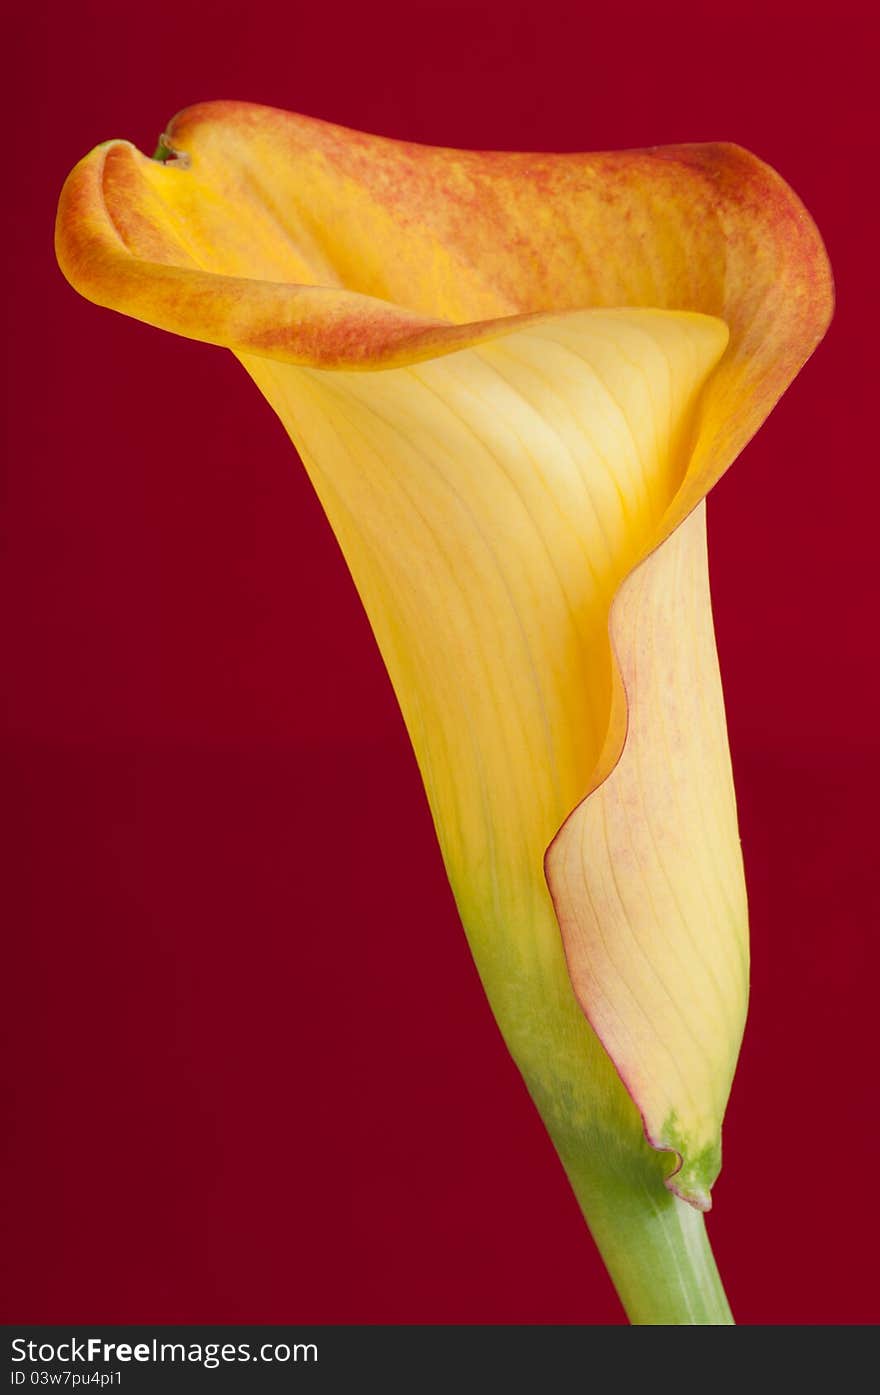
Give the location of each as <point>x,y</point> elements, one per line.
<point>513,379</point>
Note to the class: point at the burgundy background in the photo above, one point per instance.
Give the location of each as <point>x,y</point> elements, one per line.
<point>249,1071</point>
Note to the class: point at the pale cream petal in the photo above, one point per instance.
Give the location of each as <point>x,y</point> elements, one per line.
<point>647,878</point>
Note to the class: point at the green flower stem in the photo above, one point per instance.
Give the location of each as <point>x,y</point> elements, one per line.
<point>654,1245</point>
<point>655,1248</point>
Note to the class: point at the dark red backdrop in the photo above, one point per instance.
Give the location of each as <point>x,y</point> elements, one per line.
<point>250,1073</point>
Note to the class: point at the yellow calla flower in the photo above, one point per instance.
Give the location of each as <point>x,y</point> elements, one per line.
<point>513,379</point>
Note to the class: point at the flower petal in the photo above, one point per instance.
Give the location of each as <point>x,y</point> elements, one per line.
<point>491,504</point>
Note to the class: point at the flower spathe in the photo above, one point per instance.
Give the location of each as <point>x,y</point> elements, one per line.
<point>513,379</point>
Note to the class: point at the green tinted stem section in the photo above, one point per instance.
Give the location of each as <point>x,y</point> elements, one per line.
<point>655,1248</point>
<point>654,1245</point>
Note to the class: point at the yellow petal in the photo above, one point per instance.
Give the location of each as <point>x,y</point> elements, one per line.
<point>567,351</point>
<point>489,503</point>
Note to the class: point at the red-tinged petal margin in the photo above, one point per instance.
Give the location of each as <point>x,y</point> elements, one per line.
<point>400,252</point>
<point>305,247</point>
